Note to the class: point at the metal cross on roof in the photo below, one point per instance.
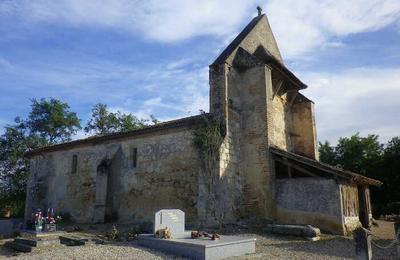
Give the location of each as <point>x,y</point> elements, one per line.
<point>259,9</point>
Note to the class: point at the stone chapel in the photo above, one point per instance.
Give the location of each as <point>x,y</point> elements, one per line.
<point>267,170</point>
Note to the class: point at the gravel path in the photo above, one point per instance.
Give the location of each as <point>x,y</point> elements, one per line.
<point>267,247</point>
<point>92,251</point>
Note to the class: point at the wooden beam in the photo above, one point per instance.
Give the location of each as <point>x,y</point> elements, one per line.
<point>294,166</point>
<point>280,83</point>
<point>292,99</point>
<point>301,169</point>
<point>314,164</point>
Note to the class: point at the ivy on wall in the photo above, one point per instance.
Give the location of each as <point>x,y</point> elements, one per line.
<point>208,136</point>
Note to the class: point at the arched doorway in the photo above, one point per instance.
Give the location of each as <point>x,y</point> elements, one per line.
<point>103,171</point>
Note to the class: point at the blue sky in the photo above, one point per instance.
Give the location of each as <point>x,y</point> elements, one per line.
<point>152,57</point>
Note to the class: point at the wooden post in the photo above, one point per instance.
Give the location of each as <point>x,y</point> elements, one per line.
<point>363,244</point>
<point>289,170</point>
<point>397,233</point>
<point>363,206</point>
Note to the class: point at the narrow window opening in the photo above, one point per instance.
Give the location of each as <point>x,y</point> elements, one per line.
<point>74,163</point>
<point>134,157</point>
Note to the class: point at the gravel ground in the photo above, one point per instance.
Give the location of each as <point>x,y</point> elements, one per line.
<point>267,247</point>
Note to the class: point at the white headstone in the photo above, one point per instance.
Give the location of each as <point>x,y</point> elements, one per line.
<point>173,219</point>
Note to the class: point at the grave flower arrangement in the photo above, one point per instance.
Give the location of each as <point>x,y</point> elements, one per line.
<point>50,216</point>
<point>58,219</point>
<point>46,223</point>
<point>38,220</point>
<point>50,224</point>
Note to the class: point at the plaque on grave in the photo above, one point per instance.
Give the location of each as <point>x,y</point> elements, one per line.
<point>173,219</point>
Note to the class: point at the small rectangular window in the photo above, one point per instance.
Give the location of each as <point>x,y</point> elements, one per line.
<point>134,157</point>
<point>74,163</point>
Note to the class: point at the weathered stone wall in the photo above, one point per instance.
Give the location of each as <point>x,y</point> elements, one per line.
<point>304,133</point>
<point>225,101</point>
<point>313,201</point>
<point>165,177</point>
<point>230,189</point>
<point>255,171</point>
<point>244,166</point>
<point>281,120</point>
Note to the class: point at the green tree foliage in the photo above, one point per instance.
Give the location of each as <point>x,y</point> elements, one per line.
<point>366,156</point>
<point>52,120</point>
<point>14,166</point>
<point>359,154</point>
<point>327,153</point>
<point>103,121</point>
<point>49,122</point>
<point>389,174</point>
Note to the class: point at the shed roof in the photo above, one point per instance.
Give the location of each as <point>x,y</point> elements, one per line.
<point>326,168</point>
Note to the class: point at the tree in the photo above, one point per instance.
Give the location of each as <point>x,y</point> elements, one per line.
<point>52,120</point>
<point>358,154</point>
<point>327,153</point>
<point>104,122</point>
<point>365,155</point>
<point>49,122</point>
<point>388,195</point>
<point>14,167</point>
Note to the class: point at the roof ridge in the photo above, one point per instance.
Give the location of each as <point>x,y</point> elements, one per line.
<point>112,136</point>
<point>238,39</point>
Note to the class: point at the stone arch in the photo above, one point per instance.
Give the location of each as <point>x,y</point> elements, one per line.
<point>103,172</point>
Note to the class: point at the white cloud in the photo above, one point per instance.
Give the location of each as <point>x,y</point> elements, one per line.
<point>361,99</point>
<point>167,90</point>
<point>159,20</point>
<point>301,26</point>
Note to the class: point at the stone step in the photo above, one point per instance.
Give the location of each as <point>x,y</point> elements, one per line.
<point>41,235</point>
<point>72,241</point>
<point>20,247</point>
<point>26,241</point>
<point>36,242</point>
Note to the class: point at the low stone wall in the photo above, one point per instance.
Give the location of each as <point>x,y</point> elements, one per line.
<point>310,201</point>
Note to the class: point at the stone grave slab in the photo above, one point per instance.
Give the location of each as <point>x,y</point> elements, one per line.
<point>174,219</point>
<point>201,248</point>
<point>181,243</point>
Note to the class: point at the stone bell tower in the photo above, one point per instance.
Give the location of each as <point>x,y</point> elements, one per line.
<point>259,99</point>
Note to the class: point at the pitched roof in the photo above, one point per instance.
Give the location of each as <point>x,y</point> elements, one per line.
<point>182,122</point>
<point>235,43</point>
<point>326,168</point>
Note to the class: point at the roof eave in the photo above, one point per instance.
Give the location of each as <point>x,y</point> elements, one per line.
<point>182,122</point>
<point>357,178</point>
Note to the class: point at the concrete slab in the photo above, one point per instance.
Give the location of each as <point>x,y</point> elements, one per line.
<point>201,248</point>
